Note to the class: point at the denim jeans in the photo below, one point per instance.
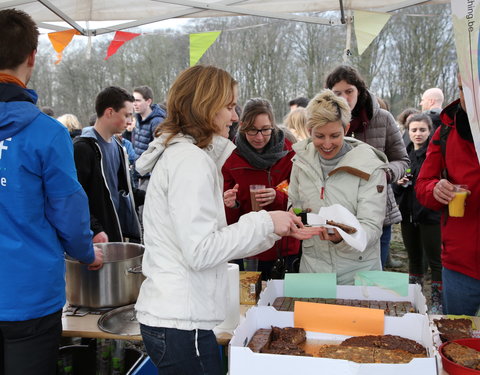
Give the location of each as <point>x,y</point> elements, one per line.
<point>30,347</point>
<point>385,244</point>
<point>180,352</point>
<point>461,293</point>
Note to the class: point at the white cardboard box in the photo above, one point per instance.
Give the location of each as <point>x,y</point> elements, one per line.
<point>243,361</point>
<point>274,289</point>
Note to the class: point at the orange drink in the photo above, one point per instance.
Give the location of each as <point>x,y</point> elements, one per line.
<point>456,207</point>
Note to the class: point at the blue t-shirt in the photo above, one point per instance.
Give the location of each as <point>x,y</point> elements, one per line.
<point>110,165</point>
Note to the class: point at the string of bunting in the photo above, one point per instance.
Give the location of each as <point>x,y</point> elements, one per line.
<point>367,26</point>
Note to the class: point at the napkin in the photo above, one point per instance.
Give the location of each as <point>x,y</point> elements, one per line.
<point>340,214</point>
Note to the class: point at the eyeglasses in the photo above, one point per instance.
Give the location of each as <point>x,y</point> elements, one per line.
<point>254,132</point>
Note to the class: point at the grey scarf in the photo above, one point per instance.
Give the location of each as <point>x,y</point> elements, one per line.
<point>271,153</point>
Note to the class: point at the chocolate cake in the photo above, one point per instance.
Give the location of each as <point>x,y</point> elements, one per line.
<point>389,342</point>
<point>463,355</point>
<point>453,329</point>
<point>390,308</point>
<point>278,341</point>
<point>361,354</point>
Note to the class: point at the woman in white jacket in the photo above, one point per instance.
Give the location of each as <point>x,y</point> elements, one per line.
<point>330,168</point>
<point>187,240</point>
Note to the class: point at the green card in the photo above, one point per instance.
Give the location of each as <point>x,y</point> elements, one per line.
<point>395,281</point>
<point>310,285</point>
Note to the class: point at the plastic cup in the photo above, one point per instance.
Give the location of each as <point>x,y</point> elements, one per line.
<point>456,207</point>
<point>253,191</point>
<point>299,210</point>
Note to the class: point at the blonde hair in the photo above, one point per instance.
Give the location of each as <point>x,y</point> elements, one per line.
<point>325,108</point>
<point>70,121</point>
<point>296,122</point>
<point>193,101</point>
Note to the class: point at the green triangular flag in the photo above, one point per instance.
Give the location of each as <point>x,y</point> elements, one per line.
<point>199,43</point>
<point>367,26</point>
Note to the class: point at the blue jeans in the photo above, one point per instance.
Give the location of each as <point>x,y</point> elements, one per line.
<point>461,293</point>
<point>385,244</point>
<point>180,352</point>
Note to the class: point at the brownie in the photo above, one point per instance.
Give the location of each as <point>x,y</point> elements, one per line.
<point>283,347</point>
<point>260,340</point>
<point>463,355</point>
<point>389,342</point>
<point>394,356</point>
<point>453,329</point>
<point>354,354</point>
<point>290,335</point>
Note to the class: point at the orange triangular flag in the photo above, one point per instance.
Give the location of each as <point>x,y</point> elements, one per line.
<point>61,39</point>
<point>118,40</point>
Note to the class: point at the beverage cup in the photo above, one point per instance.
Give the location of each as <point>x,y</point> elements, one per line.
<point>456,207</point>
<point>299,210</point>
<point>253,191</point>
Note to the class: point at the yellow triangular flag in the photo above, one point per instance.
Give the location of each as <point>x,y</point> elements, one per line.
<point>60,40</point>
<point>199,43</point>
<point>367,26</point>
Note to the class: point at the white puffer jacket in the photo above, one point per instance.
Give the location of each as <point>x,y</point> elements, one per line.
<point>358,183</point>
<point>187,240</point>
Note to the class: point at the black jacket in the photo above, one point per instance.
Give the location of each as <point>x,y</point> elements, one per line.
<point>103,216</point>
<point>412,211</point>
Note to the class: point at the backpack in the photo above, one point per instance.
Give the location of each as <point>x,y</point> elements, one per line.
<point>442,142</point>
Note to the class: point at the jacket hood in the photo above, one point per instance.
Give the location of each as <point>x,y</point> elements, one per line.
<point>363,157</point>
<point>219,150</point>
<point>157,111</point>
<point>448,114</point>
<point>17,109</point>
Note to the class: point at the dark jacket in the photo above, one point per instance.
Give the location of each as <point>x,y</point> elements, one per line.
<point>103,215</point>
<point>411,209</point>
<point>460,235</point>
<point>144,129</point>
<point>237,170</point>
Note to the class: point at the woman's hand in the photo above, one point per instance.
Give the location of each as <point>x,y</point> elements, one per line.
<point>403,181</point>
<point>265,196</point>
<point>230,197</point>
<point>329,234</point>
<point>288,224</point>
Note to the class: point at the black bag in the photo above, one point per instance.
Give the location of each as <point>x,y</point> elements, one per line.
<point>280,266</point>
<point>127,216</point>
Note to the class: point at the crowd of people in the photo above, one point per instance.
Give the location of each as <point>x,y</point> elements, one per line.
<point>179,177</point>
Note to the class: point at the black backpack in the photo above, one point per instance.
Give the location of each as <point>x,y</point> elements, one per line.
<point>442,142</point>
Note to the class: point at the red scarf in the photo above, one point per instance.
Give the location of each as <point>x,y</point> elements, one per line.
<point>359,123</point>
<point>7,78</point>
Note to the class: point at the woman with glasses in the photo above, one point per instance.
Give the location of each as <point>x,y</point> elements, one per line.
<point>329,168</point>
<point>262,157</point>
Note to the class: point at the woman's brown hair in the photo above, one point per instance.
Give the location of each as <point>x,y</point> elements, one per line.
<point>254,107</point>
<point>194,99</point>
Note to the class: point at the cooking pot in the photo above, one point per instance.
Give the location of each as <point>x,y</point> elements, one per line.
<point>117,283</point>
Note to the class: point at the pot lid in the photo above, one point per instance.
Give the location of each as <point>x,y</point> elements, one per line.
<point>120,321</point>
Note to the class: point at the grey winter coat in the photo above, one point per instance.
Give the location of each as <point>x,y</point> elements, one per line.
<point>382,133</point>
<point>358,183</point>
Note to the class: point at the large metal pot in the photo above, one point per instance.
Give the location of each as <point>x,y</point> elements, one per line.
<point>117,283</point>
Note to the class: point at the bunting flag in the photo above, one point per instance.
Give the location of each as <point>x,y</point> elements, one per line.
<point>367,26</point>
<point>199,43</point>
<point>61,39</point>
<point>466,27</point>
<point>119,39</point>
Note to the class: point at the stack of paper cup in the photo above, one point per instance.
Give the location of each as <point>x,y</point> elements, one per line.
<point>233,300</point>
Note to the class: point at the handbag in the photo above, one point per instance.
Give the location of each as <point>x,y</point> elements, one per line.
<point>280,265</point>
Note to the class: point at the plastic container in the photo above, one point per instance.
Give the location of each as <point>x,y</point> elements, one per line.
<point>454,368</point>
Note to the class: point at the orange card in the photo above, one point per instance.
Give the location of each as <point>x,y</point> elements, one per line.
<point>340,320</point>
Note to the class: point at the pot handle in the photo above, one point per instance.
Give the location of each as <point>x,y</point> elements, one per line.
<point>135,269</point>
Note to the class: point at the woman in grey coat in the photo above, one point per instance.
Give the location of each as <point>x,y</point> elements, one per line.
<point>378,128</point>
<point>328,169</point>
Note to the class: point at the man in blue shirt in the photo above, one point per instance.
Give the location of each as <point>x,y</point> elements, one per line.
<point>43,211</point>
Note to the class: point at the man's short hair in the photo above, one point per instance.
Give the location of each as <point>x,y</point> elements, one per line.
<point>112,97</point>
<point>18,37</point>
<point>301,101</point>
<point>145,91</point>
<point>48,110</point>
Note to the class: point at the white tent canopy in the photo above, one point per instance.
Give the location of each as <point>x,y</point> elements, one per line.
<point>141,12</point>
